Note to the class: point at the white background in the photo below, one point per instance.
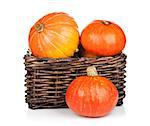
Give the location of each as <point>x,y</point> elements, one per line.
<point>16,18</point>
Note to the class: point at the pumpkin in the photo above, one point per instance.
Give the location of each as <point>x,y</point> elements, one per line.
<point>54,36</point>
<point>103,38</point>
<point>92,95</point>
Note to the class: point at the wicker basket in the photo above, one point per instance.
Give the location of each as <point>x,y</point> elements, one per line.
<point>48,79</point>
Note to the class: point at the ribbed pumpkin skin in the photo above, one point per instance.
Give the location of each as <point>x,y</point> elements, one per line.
<point>91,96</point>
<point>103,38</point>
<point>58,39</point>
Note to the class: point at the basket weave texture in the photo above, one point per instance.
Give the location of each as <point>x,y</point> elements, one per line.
<point>47,79</point>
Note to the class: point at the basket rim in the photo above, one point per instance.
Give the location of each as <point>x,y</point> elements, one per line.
<point>30,55</point>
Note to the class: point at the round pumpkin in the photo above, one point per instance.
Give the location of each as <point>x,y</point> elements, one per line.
<point>92,95</point>
<point>54,36</point>
<point>103,38</point>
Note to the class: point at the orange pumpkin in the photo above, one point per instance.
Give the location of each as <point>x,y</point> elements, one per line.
<point>92,95</point>
<point>54,36</point>
<point>103,38</point>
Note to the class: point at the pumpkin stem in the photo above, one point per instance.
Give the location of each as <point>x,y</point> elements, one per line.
<point>39,27</point>
<point>106,22</point>
<point>91,71</point>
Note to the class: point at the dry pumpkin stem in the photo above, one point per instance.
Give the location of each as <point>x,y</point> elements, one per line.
<point>47,79</point>
<point>91,71</point>
<point>106,22</point>
<point>39,27</point>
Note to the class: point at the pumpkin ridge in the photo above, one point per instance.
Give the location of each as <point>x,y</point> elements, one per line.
<point>44,44</point>
<point>75,26</point>
<point>90,110</point>
<point>31,36</point>
<point>58,43</point>
<point>32,45</point>
<point>79,87</point>
<point>67,25</point>
<point>62,36</point>
<point>54,16</point>
<point>38,44</point>
<point>46,17</point>
<point>56,33</point>
<point>52,44</point>
<point>74,90</point>
<point>61,23</point>
<point>32,30</point>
